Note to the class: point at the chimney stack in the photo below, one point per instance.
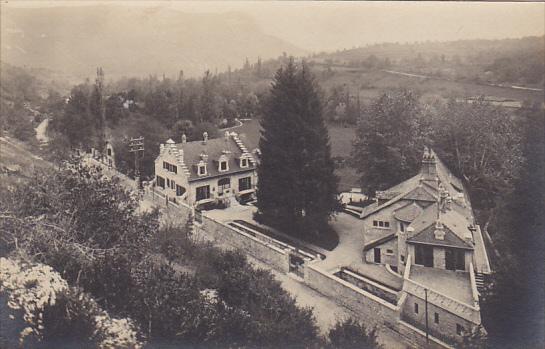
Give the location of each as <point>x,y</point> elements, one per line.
<point>204,137</point>
<point>429,170</point>
<point>184,138</point>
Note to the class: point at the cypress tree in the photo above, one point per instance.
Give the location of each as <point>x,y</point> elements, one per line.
<point>297,185</point>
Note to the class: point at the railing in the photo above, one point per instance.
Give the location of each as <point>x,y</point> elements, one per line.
<point>474,291</point>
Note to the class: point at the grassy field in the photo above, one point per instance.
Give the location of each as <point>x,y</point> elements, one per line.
<point>341,139</point>
<point>370,84</point>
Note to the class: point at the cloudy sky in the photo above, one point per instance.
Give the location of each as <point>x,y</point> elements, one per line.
<point>317,26</point>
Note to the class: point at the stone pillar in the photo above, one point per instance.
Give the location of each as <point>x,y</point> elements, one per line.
<point>438,257</point>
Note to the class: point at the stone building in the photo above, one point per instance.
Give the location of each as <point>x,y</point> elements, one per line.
<point>424,229</point>
<point>209,171</point>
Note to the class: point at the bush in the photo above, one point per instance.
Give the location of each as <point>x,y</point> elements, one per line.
<point>351,334</point>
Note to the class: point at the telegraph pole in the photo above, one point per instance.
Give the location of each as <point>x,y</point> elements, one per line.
<point>427,327</point>
<point>99,86</point>
<point>137,147</point>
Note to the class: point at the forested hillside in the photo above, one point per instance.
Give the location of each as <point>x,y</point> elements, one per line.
<point>507,61</point>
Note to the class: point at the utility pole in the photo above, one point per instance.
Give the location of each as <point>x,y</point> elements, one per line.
<point>99,85</point>
<point>136,146</point>
<point>427,326</point>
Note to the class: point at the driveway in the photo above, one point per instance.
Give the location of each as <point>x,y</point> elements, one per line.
<point>349,252</point>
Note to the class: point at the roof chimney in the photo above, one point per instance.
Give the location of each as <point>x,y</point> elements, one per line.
<point>184,138</point>
<point>429,170</point>
<point>204,137</point>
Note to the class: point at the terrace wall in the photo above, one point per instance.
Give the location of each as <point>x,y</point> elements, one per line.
<point>368,306</point>
<point>260,250</point>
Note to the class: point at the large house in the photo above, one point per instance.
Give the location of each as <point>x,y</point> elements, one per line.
<point>424,229</point>
<point>211,170</point>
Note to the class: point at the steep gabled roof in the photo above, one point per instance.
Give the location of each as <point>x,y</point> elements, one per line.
<point>427,237</point>
<point>379,241</point>
<point>231,147</point>
<point>408,212</point>
<point>420,194</point>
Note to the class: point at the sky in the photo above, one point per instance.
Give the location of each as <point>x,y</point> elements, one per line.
<point>326,26</point>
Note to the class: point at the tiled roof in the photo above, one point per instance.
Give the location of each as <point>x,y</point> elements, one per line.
<point>427,237</point>
<point>214,149</point>
<point>408,212</point>
<point>420,194</point>
<point>378,242</point>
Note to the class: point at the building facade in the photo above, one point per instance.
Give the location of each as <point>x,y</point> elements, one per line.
<point>424,229</point>
<point>209,171</point>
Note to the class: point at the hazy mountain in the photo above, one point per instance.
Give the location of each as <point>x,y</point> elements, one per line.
<point>132,41</point>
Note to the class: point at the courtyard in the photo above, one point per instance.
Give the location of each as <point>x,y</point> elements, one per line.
<point>347,254</point>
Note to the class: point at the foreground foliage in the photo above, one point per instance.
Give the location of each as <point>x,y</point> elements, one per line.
<point>89,230</point>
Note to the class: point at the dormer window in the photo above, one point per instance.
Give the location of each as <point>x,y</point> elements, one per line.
<point>223,163</point>
<point>201,168</point>
<point>244,163</point>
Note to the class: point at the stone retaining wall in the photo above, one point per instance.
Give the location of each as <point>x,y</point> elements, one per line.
<point>369,307</point>
<point>271,255</point>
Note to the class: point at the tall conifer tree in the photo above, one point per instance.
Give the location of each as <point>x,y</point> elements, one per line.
<point>297,184</point>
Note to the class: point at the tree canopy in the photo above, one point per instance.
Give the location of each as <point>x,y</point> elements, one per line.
<point>297,186</point>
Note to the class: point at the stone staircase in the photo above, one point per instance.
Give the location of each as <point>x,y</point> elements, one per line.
<point>480,281</point>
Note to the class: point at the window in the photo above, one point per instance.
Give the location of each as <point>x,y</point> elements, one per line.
<point>172,184</point>
<point>109,151</point>
<point>168,182</point>
<point>170,167</point>
<point>388,251</point>
<point>402,258</point>
<point>245,183</point>
<point>160,182</point>
<point>381,224</point>
<point>423,255</point>
<point>455,259</point>
<point>223,184</point>
<point>401,227</point>
<point>202,170</point>
<point>436,318</point>
<point>223,166</point>
<point>203,192</point>
<point>244,163</point>
<point>459,329</point>
<point>179,190</point>
<point>416,308</point>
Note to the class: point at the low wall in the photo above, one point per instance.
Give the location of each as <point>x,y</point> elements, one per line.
<point>271,255</point>
<point>369,307</point>
<point>368,285</point>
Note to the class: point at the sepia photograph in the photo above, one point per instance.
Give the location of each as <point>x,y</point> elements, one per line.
<point>272,174</point>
